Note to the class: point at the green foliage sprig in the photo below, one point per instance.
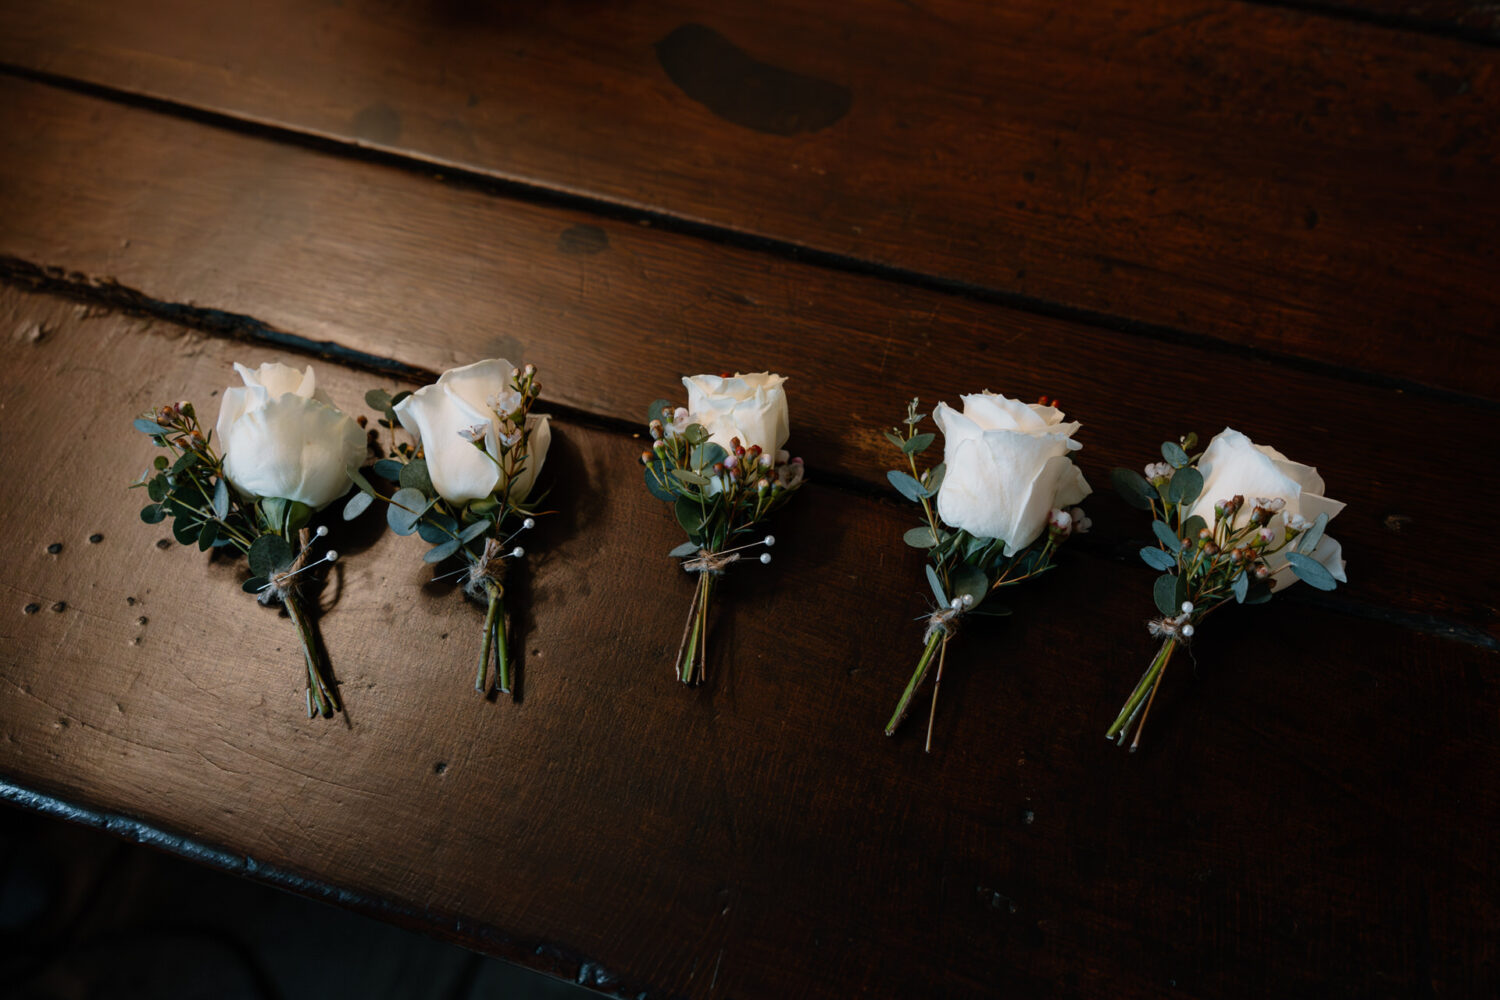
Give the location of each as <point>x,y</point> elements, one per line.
<point>188,485</point>
<point>962,569</point>
<point>1204,568</point>
<point>718,496</point>
<point>478,531</point>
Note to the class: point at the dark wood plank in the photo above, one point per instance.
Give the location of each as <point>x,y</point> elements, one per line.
<point>378,261</point>
<point>1470,19</point>
<point>1312,814</point>
<point>1307,185</point>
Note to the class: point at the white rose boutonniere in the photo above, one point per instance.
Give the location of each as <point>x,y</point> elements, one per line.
<point>282,453</point>
<point>722,465</point>
<point>1214,546</point>
<point>465,482</point>
<point>1005,492</point>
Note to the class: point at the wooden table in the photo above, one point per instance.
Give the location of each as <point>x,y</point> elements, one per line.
<point>1173,216</point>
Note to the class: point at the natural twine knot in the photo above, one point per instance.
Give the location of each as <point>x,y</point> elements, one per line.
<point>710,562</point>
<point>1179,628</point>
<point>944,621</point>
<point>281,584</point>
<point>490,569</point>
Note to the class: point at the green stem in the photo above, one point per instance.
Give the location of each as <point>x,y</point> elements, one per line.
<point>321,693</point>
<point>487,643</point>
<point>1146,686</point>
<point>689,645</point>
<point>502,647</point>
<point>904,705</point>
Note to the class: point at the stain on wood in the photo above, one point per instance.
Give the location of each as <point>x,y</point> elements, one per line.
<point>1174,152</point>
<point>724,78</point>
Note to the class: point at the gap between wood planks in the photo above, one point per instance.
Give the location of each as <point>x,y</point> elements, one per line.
<point>564,963</point>
<point>515,189</point>
<point>113,296</point>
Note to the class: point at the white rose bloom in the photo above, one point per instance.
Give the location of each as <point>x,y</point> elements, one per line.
<point>282,436</point>
<point>1233,465</point>
<point>462,400</point>
<point>1007,467</point>
<point>749,407</point>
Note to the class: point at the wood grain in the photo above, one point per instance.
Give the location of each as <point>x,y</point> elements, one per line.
<point>1305,185</point>
<point>1311,813</point>
<point>375,260</point>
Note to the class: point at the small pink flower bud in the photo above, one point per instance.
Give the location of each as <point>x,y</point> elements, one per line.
<point>645,458</point>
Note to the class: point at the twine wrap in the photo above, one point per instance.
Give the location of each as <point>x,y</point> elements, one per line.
<point>710,562</point>
<point>282,585</point>
<point>944,621</point>
<point>1170,628</point>
<point>489,569</point>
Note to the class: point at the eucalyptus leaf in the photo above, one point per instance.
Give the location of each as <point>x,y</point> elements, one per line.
<point>706,455</point>
<point>656,472</point>
<point>970,582</point>
<point>696,434</point>
<point>148,426</point>
<point>359,480</point>
<point>435,529</point>
<point>1311,572</point>
<point>400,397</point>
<point>269,555</point>
<point>158,488</point>
<point>1173,453</point>
<point>160,462</point>
<point>378,399</point>
<point>1240,586</point>
<point>153,514</point>
<point>438,553</point>
<point>473,531</point>
<point>1157,559</point>
<point>684,550</point>
<point>937,586</point>
<point>406,507</point>
<point>1313,535</point>
<point>1185,486</point>
<point>933,479</point>
<point>1132,488</point>
<point>186,529</point>
<point>654,412</point>
<point>298,514</point>
<point>895,440</point>
<point>414,474</point>
<point>1164,592</point>
<point>689,515</point>
<point>906,485</point>
<point>207,536</point>
<point>920,538</point>
<point>1166,536</point>
<point>688,476</point>
<point>918,443</point>
<point>1192,526</point>
<point>357,505</point>
<point>388,468</point>
<point>221,498</point>
<point>1259,592</point>
<point>186,460</point>
<point>254,585</point>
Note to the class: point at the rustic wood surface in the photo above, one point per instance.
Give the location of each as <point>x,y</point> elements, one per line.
<point>756,837</point>
<point>1307,185</point>
<point>441,276</point>
<point>1286,223</point>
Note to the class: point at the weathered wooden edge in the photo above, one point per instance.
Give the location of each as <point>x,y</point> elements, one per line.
<point>544,957</point>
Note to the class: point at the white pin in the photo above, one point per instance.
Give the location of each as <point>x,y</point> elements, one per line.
<point>329,557</point>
